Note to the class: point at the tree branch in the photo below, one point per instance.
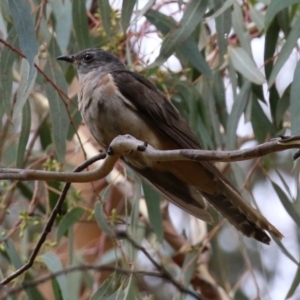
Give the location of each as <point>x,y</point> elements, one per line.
<point>126,145</point>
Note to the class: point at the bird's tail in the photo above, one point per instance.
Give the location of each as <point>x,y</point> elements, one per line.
<point>241,214</point>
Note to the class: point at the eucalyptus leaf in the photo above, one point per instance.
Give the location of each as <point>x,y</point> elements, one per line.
<point>244,64</point>
<point>20,11</point>
<point>295,102</point>
<point>54,265</point>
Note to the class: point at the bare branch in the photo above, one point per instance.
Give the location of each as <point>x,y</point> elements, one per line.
<point>126,145</point>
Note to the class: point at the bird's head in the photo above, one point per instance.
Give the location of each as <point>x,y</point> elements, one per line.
<point>90,59</point>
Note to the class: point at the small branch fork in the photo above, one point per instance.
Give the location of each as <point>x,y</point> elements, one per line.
<point>127,145</point>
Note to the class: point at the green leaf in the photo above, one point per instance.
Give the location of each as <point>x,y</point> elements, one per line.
<point>127,9</point>
<point>190,265</point>
<point>25,87</point>
<point>62,10</point>
<point>105,13</point>
<point>189,50</point>
<point>227,4</point>
<point>260,122</point>
<point>54,265</point>
<point>244,64</point>
<point>80,23</point>
<point>275,7</point>
<point>240,28</point>
<point>295,284</point>
<point>11,250</point>
<point>24,134</point>
<point>101,219</point>
<point>106,289</point>
<point>58,114</point>
<point>295,102</point>
<point>21,14</point>
<point>223,27</point>
<point>68,220</point>
<point>152,198</point>
<point>285,251</point>
<point>237,109</point>
<point>191,18</point>
<point>282,107</point>
<point>7,59</point>
<point>130,290</point>
<point>285,52</point>
<point>286,202</point>
<point>257,17</point>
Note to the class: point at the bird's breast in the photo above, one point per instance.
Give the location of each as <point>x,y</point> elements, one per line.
<point>107,114</point>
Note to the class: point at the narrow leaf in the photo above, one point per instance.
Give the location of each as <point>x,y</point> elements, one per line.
<point>54,265</point>
<point>62,10</point>
<point>222,9</point>
<point>295,102</point>
<point>275,7</point>
<point>235,115</point>
<point>21,14</point>
<point>101,219</point>
<point>80,23</point>
<point>244,64</point>
<point>7,59</point>
<point>25,87</point>
<point>286,202</point>
<point>285,52</point>
<point>24,134</point>
<point>153,206</point>
<point>58,113</point>
<point>295,284</point>
<point>68,220</point>
<point>127,9</point>
<point>191,18</point>
<point>189,49</point>
<point>105,13</point>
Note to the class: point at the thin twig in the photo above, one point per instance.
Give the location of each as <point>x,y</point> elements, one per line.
<point>165,274</point>
<point>49,224</point>
<point>101,268</point>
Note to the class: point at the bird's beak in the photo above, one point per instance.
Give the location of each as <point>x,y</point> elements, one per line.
<point>67,58</point>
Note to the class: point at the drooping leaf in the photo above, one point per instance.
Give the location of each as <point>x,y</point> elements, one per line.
<point>275,7</point>
<point>62,10</point>
<point>105,13</point>
<point>235,115</point>
<point>58,113</point>
<point>295,284</point>
<point>285,52</point>
<point>153,206</point>
<point>24,134</point>
<point>191,18</point>
<point>244,64</point>
<point>101,219</point>
<point>7,59</point>
<point>68,220</point>
<point>25,87</point>
<point>189,49</point>
<point>295,102</point>
<point>223,26</point>
<point>286,202</point>
<point>20,11</point>
<point>80,24</point>
<point>54,265</point>
<point>127,9</point>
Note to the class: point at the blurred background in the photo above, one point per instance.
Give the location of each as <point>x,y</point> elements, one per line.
<point>231,69</point>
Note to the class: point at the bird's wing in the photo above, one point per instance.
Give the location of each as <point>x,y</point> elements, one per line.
<point>155,108</point>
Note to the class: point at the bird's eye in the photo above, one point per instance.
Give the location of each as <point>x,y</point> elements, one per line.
<point>88,57</point>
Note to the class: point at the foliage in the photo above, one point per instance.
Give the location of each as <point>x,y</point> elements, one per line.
<point>236,64</point>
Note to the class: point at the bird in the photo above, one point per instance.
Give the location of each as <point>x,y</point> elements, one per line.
<point>115,101</point>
